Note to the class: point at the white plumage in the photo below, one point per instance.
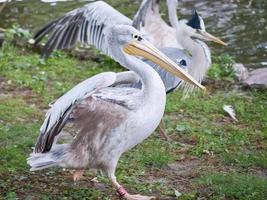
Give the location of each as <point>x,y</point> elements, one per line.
<point>183,34</point>
<point>109,118</point>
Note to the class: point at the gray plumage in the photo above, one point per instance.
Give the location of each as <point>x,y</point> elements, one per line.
<point>87,26</point>
<point>83,25</point>
<point>178,56</point>
<point>182,34</point>
<point>149,21</point>
<point>139,19</point>
<point>88,104</point>
<point>108,119</point>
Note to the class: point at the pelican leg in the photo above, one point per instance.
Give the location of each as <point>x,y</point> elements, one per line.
<point>162,130</point>
<point>122,192</point>
<point>78,174</point>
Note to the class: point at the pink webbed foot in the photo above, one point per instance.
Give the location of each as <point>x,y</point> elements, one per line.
<point>137,197</point>
<point>125,195</point>
<point>77,175</point>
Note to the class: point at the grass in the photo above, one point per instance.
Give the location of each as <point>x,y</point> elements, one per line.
<point>234,186</point>
<point>210,157</point>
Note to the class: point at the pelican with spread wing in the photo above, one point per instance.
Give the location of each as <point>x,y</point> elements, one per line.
<point>109,119</point>
<point>184,35</point>
<point>71,29</point>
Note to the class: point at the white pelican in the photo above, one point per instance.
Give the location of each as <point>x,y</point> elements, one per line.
<point>185,38</point>
<point>63,37</point>
<point>186,35</point>
<point>109,119</point>
<point>64,32</point>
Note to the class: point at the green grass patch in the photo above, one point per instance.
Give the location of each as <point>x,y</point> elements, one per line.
<point>222,68</point>
<point>199,122</point>
<point>16,143</point>
<point>205,119</point>
<point>17,110</point>
<point>50,78</point>
<point>247,159</point>
<point>235,186</point>
<point>154,153</point>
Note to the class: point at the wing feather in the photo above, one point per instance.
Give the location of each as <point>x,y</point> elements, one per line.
<point>85,25</point>
<point>43,31</point>
<point>141,15</point>
<point>59,113</point>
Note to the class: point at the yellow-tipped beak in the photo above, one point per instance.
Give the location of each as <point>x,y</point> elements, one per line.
<point>147,50</point>
<point>210,37</point>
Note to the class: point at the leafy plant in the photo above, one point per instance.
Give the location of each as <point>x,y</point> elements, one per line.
<point>222,67</point>
<point>17,31</point>
<point>16,35</point>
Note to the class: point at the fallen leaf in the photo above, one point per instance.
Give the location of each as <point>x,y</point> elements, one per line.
<point>177,193</point>
<point>230,110</point>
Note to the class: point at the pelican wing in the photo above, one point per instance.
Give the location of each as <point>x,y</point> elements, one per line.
<point>140,17</point>
<point>59,113</point>
<point>85,25</point>
<point>149,21</point>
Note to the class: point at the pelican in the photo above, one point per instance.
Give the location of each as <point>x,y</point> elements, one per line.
<point>60,41</point>
<point>149,21</point>
<point>185,35</point>
<point>66,25</point>
<point>109,119</point>
<point>157,31</point>
<point>182,42</point>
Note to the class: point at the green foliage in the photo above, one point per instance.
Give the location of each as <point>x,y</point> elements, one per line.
<point>16,35</point>
<point>107,61</point>
<point>222,68</point>
<point>154,153</point>
<point>235,186</point>
<point>209,125</point>
<point>183,128</point>
<point>20,111</point>
<point>17,32</point>
<point>45,77</point>
<point>12,196</point>
<point>247,159</point>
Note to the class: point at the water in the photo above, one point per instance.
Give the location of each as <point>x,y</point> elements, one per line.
<point>243,27</point>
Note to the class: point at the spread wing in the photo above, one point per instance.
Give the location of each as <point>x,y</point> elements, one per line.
<point>141,15</point>
<point>58,114</point>
<point>84,25</point>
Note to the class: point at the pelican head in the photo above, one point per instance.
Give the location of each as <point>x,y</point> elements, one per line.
<point>132,43</point>
<point>195,28</point>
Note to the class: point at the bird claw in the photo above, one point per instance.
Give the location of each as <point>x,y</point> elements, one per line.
<point>77,175</point>
<point>137,197</point>
<point>94,180</point>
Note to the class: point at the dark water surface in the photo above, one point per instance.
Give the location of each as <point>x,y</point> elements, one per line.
<point>243,27</point>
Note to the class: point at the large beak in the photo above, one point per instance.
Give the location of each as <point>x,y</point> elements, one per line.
<point>146,50</point>
<point>210,37</point>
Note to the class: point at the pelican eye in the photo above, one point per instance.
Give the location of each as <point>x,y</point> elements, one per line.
<point>137,37</point>
<point>182,62</point>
